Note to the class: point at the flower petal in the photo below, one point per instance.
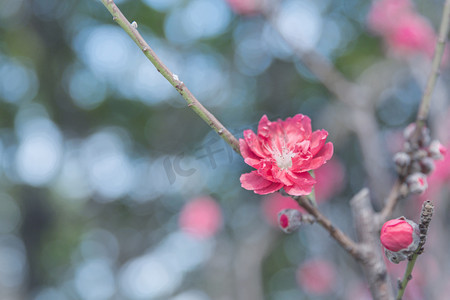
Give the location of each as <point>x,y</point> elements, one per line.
<point>297,190</point>
<point>254,143</point>
<point>303,184</point>
<point>253,181</point>
<point>322,156</point>
<point>318,138</point>
<point>269,189</point>
<point>250,157</point>
<point>282,176</point>
<point>297,129</point>
<point>263,126</point>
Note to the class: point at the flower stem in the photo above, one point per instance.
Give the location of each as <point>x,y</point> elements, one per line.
<point>193,103</point>
<point>425,219</point>
<point>422,114</point>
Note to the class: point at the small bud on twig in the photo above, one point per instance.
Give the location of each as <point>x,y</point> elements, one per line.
<point>423,139</point>
<point>289,220</point>
<point>426,165</point>
<point>436,150</point>
<point>402,161</point>
<point>400,238</point>
<point>417,183</point>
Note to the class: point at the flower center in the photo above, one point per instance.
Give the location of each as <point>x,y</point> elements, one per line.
<point>284,159</point>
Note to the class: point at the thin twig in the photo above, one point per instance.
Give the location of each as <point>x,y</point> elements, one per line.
<point>422,114</point>
<point>193,103</point>
<point>394,196</point>
<point>425,219</point>
<point>346,242</point>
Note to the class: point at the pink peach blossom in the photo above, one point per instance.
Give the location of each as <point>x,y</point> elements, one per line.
<point>283,153</point>
<point>317,276</point>
<point>201,217</point>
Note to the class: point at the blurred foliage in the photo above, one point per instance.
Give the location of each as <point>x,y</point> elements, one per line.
<point>99,154</point>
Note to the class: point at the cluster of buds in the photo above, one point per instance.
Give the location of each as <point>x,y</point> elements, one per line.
<point>417,160</point>
<point>400,238</point>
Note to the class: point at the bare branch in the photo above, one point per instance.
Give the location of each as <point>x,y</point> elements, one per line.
<point>373,265</point>
<point>435,66</point>
<point>346,242</point>
<point>193,103</point>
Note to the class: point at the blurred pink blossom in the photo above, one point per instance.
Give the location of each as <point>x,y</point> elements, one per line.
<point>330,180</point>
<point>201,217</point>
<point>245,7</point>
<point>383,14</point>
<point>274,203</point>
<point>404,31</point>
<point>411,34</point>
<point>317,276</point>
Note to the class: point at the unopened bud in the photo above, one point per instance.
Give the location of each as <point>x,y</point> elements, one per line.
<point>417,183</point>
<point>424,138</point>
<point>400,238</point>
<point>402,161</point>
<point>289,220</point>
<point>436,150</point>
<point>426,165</point>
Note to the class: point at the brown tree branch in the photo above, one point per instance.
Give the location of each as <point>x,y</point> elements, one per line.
<point>368,234</point>
<point>346,242</point>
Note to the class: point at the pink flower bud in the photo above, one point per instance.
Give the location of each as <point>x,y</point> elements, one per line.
<point>436,150</point>
<point>289,220</point>
<point>400,237</point>
<point>417,183</point>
